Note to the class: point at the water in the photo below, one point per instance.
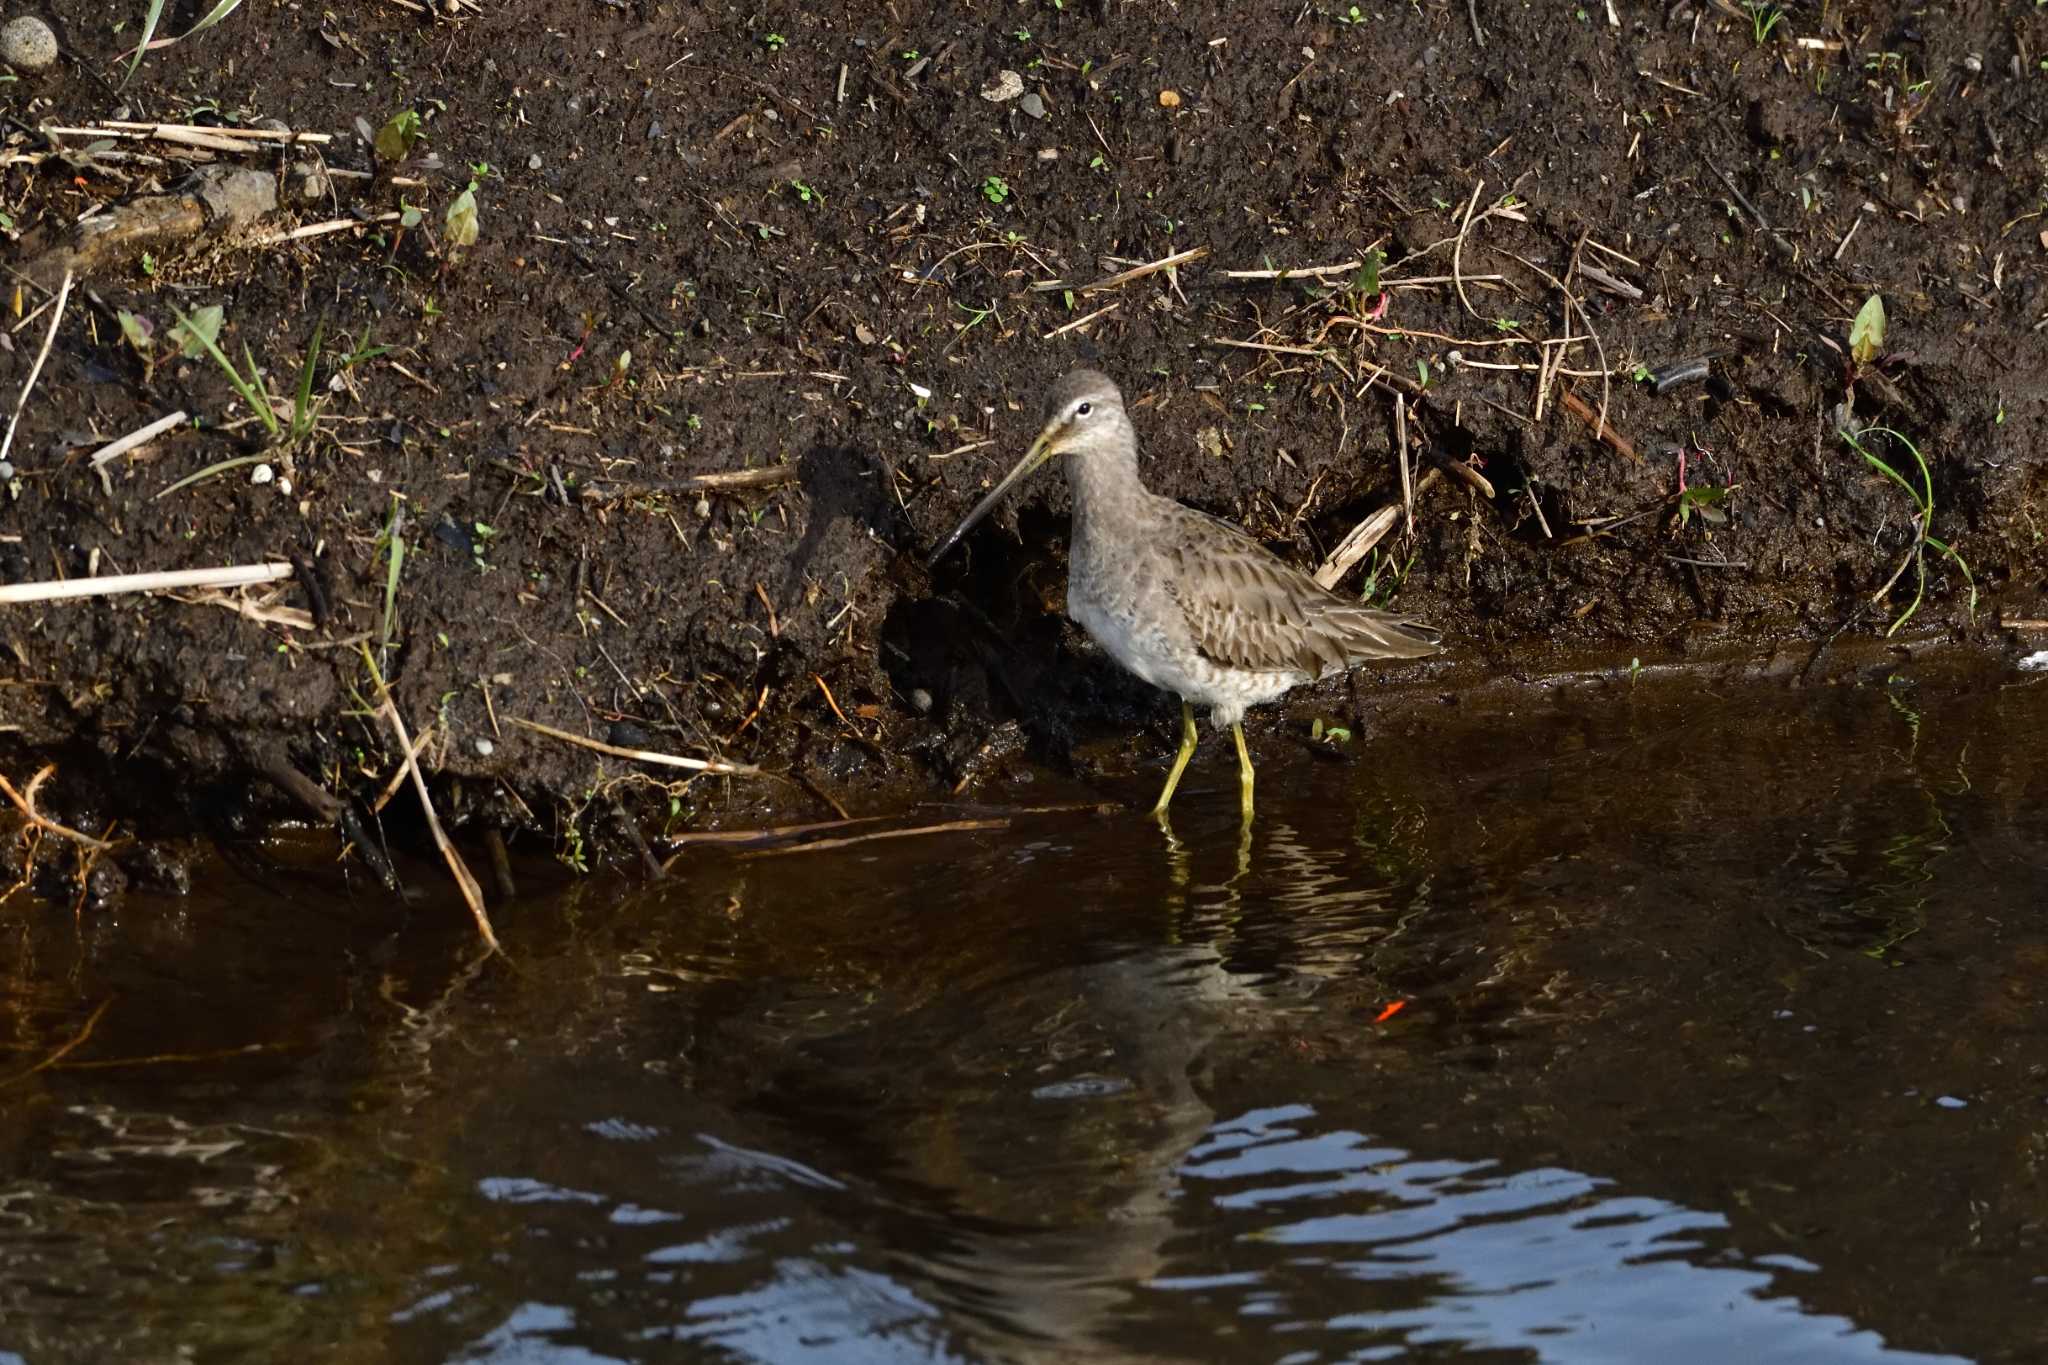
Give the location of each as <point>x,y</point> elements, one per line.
<point>1576,1023</point>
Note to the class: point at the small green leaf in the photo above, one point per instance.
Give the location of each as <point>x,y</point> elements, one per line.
<point>461,219</point>
<point>198,331</point>
<point>139,332</point>
<point>395,138</point>
<point>1866,334</point>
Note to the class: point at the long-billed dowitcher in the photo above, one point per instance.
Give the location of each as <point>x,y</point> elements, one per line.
<point>1188,603</point>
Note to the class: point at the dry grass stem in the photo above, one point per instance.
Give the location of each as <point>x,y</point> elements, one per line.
<point>299,234</point>
<point>1301,273</point>
<point>64,1050</point>
<point>232,134</point>
<point>1401,437</point>
<point>21,401</point>
<point>472,894</point>
<point>419,746</point>
<point>1103,311</point>
<point>1355,546</point>
<point>232,576</point>
<point>114,450</point>
<point>701,765</point>
<point>820,845</point>
<point>1123,277</point>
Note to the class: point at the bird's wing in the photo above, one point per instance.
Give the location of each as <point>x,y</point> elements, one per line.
<point>1246,609</point>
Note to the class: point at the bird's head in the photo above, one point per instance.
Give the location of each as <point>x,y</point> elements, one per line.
<point>1084,414</point>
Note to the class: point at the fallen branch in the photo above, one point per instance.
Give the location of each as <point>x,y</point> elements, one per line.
<point>217,198</point>
<point>701,765</point>
<point>234,576</point>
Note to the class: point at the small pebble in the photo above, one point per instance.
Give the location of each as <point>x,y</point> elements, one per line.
<point>1951,1102</point>
<point>6,471</point>
<point>533,162</point>
<point>1169,99</point>
<point>1007,85</point>
<point>920,700</point>
<point>263,473</point>
<point>1033,105</point>
<point>484,748</point>
<point>26,44</point>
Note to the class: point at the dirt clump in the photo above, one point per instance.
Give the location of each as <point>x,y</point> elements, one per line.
<point>759,300</point>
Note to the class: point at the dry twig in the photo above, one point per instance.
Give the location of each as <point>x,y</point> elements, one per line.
<point>25,802</point>
<point>472,894</point>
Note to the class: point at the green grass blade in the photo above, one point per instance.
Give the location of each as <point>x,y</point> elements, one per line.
<point>302,404</point>
<point>214,16</point>
<point>223,467</point>
<point>150,20</point>
<point>264,408</point>
<point>394,550</point>
<point>242,386</point>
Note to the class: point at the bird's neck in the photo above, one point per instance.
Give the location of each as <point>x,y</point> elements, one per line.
<point>1105,480</point>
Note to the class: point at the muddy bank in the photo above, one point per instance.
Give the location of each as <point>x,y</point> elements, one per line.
<point>759,301</point>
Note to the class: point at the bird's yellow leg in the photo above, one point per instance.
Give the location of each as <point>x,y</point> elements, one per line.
<point>1244,769</point>
<point>1180,760</point>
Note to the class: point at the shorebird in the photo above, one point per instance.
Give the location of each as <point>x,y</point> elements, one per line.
<point>1187,602</point>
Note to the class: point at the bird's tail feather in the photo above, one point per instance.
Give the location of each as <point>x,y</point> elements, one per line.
<point>1369,634</point>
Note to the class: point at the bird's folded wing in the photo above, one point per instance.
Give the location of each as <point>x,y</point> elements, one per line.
<point>1246,609</point>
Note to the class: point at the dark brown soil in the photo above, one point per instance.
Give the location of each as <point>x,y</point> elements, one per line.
<point>799,229</point>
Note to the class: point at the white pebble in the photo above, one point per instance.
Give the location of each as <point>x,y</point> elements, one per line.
<point>484,748</point>
<point>263,473</point>
<point>26,44</point>
<point>1007,85</point>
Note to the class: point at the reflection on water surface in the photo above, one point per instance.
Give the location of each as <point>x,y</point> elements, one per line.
<point>1594,1024</point>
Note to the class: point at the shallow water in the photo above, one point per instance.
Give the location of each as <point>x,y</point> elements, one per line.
<point>1720,1038</point>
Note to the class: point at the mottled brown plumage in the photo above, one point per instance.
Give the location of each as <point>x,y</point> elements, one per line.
<point>1188,603</point>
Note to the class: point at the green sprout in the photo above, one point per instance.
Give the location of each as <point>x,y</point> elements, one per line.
<point>995,189</point>
<point>1923,524</point>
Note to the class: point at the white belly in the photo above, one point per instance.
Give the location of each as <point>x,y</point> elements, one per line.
<point>1175,666</point>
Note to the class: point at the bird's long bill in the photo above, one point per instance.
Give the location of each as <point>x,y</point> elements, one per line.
<point>1041,450</point>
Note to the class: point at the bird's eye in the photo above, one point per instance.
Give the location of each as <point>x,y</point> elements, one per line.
<point>1084,410</point>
